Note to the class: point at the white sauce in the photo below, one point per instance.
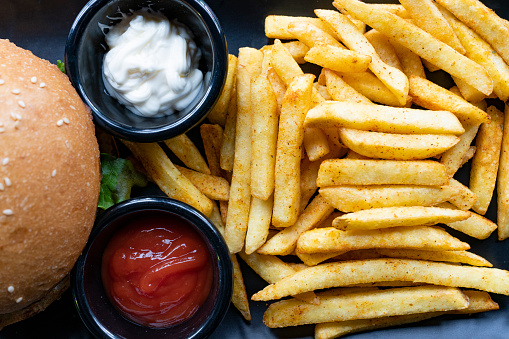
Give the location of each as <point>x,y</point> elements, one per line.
<point>152,65</point>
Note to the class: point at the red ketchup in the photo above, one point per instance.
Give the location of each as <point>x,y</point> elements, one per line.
<point>157,271</point>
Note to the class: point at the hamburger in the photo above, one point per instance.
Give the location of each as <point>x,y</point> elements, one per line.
<point>49,182</point>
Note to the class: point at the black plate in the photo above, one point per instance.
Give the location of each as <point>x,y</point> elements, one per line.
<point>42,26</point>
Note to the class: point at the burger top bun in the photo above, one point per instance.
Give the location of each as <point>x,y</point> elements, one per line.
<point>49,177</point>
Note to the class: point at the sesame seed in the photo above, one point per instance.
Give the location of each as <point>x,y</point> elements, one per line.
<point>2,129</point>
<point>54,173</point>
<point>42,85</point>
<point>14,116</point>
<point>21,103</point>
<point>72,107</point>
<point>16,125</point>
<point>15,91</point>
<point>60,122</point>
<point>5,161</point>
<point>20,299</point>
<point>10,289</point>
<point>2,81</point>
<point>18,117</point>
<point>33,80</point>
<point>1,124</point>
<point>3,65</point>
<point>66,120</point>
<point>1,187</point>
<point>8,182</point>
<point>8,212</point>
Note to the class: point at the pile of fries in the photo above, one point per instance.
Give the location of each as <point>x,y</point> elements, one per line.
<point>330,186</point>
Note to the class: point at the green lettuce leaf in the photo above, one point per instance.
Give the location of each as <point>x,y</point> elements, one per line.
<point>118,178</point>
<point>61,66</point>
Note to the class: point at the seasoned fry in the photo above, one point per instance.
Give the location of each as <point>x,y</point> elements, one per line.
<point>316,143</point>
<point>398,216</point>
<point>426,16</point>
<point>188,153</point>
<point>429,95</point>
<point>276,26</point>
<point>214,187</point>
<point>396,146</point>
<point>272,269</point>
<point>249,66</point>
<point>311,35</point>
<point>283,243</point>
<point>226,159</point>
<point>339,90</point>
<point>264,138</point>
<point>468,92</point>
<point>365,305</point>
<point>356,198</point>
<point>410,62</point>
<point>218,113</point>
<point>503,183</point>
<point>337,59</point>
<point>396,9</point>
<point>287,172</point>
<point>421,43</point>
<point>371,87</point>
<point>381,172</point>
<point>393,78</point>
<point>330,239</point>
<point>383,48</point>
<point>463,257</point>
<point>169,179</point>
<point>483,20</point>
<point>239,296</point>
<point>212,137</point>
<point>478,301</point>
<point>367,271</point>
<point>476,226</point>
<point>260,214</point>
<point>483,175</point>
<point>452,158</point>
<point>466,199</point>
<point>379,118</point>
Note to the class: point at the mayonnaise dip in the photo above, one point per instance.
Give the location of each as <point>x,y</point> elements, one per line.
<point>152,64</point>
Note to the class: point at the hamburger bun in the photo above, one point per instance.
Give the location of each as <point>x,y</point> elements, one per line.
<point>49,181</point>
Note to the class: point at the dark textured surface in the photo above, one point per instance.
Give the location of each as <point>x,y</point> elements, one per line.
<point>42,27</point>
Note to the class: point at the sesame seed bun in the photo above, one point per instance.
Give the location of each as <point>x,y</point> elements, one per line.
<point>49,179</point>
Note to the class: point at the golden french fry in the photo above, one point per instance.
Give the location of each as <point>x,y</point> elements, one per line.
<point>218,113</point>
<point>213,187</point>
<point>339,90</point>
<point>264,138</point>
<point>426,16</point>
<point>212,137</point>
<point>379,118</point>
<point>476,226</point>
<point>227,153</point>
<point>393,78</point>
<point>260,214</point>
<point>410,62</point>
<point>350,273</point>
<point>188,153</point>
<point>468,92</point>
<point>371,87</point>
<point>465,199</point>
<point>337,59</point>
<point>483,20</point>
<point>381,172</point>
<point>272,269</point>
<point>481,52</point>
<point>468,155</point>
<point>396,146</point>
<point>463,257</point>
<point>396,9</point>
<point>311,35</point>
<point>287,172</point>
<point>452,158</point>
<point>421,43</point>
<point>316,143</point>
<point>383,48</point>
<point>398,216</point>
<point>365,305</point>
<point>356,198</point>
<point>216,219</point>
<point>276,26</point>
<point>312,259</point>
<point>478,301</point>
<point>249,66</point>
<point>168,177</point>
<point>330,239</point>
<point>284,242</point>
<point>429,95</point>
<point>297,49</point>
<point>483,175</point>
<point>503,183</point>
<point>239,296</point>
<point>322,90</point>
